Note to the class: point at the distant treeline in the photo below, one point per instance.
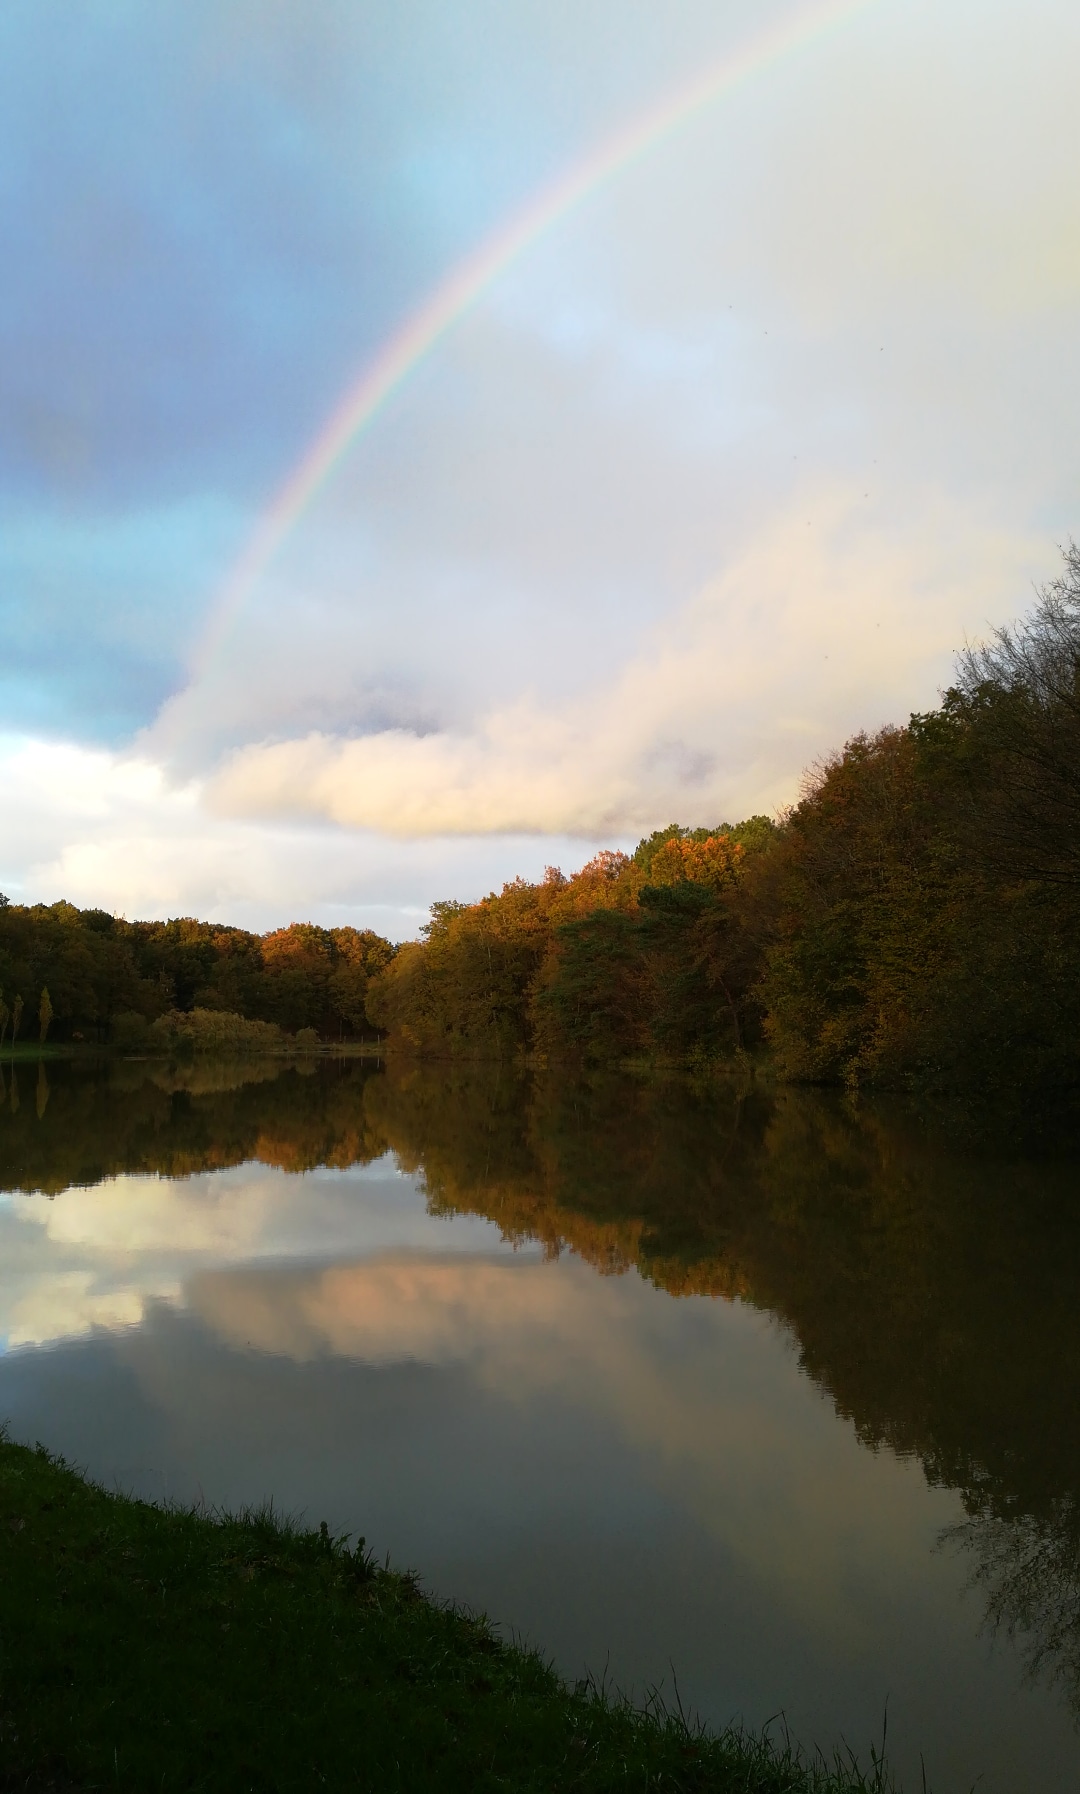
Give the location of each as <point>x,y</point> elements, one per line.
<point>72,974</point>
<point>914,920</point>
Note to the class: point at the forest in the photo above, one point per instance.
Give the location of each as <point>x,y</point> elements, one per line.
<point>71,975</point>
<point>912,922</point>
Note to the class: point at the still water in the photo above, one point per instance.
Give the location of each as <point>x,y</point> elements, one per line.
<point>746,1393</point>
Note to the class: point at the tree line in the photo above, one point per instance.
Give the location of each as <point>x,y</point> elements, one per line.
<point>911,921</point>
<point>83,975</point>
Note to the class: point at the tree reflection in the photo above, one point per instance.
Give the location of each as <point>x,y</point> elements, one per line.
<point>1027,1568</point>
<point>90,1122</point>
<point>930,1290</point>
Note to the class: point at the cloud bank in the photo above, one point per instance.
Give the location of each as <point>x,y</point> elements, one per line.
<point>820,627</point>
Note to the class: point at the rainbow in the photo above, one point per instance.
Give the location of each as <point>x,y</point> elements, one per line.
<point>466,284</point>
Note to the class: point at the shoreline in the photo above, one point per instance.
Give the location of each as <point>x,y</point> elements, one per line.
<point>145,1647</point>
<point>86,1050</point>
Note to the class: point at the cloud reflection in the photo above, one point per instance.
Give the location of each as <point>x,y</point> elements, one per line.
<point>352,1267</point>
<point>705,1394</point>
<point>95,1258</point>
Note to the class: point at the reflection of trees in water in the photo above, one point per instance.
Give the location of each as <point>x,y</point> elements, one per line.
<point>96,1121</point>
<point>932,1292</point>
<point>1027,1569</point>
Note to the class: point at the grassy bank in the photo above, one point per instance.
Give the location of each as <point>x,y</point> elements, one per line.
<point>142,1648</point>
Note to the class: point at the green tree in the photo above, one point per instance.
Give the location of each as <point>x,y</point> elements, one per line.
<point>592,998</point>
<point>45,1014</point>
<point>16,1019</point>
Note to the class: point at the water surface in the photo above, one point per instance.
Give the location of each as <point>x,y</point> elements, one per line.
<point>745,1391</point>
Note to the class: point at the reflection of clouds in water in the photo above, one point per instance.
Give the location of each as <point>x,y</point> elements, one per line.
<point>74,1302</point>
<point>705,1393</point>
<point>706,1396</point>
<point>388,1309</point>
<point>473,1408</point>
<point>95,1257</point>
<point>243,1212</point>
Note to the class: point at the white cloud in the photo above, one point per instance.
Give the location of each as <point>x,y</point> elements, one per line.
<point>837,615</point>
<point>828,623</point>
<point>103,828</point>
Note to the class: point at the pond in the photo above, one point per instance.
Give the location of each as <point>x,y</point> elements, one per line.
<point>747,1394</point>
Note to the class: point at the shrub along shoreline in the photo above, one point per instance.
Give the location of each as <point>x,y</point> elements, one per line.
<point>144,1648</point>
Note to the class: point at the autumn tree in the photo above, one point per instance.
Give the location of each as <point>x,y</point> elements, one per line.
<point>1015,716</point>
<point>360,954</point>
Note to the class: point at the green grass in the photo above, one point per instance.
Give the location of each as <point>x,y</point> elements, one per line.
<point>159,1649</point>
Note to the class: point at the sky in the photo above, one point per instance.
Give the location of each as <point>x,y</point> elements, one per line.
<point>719,467</point>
